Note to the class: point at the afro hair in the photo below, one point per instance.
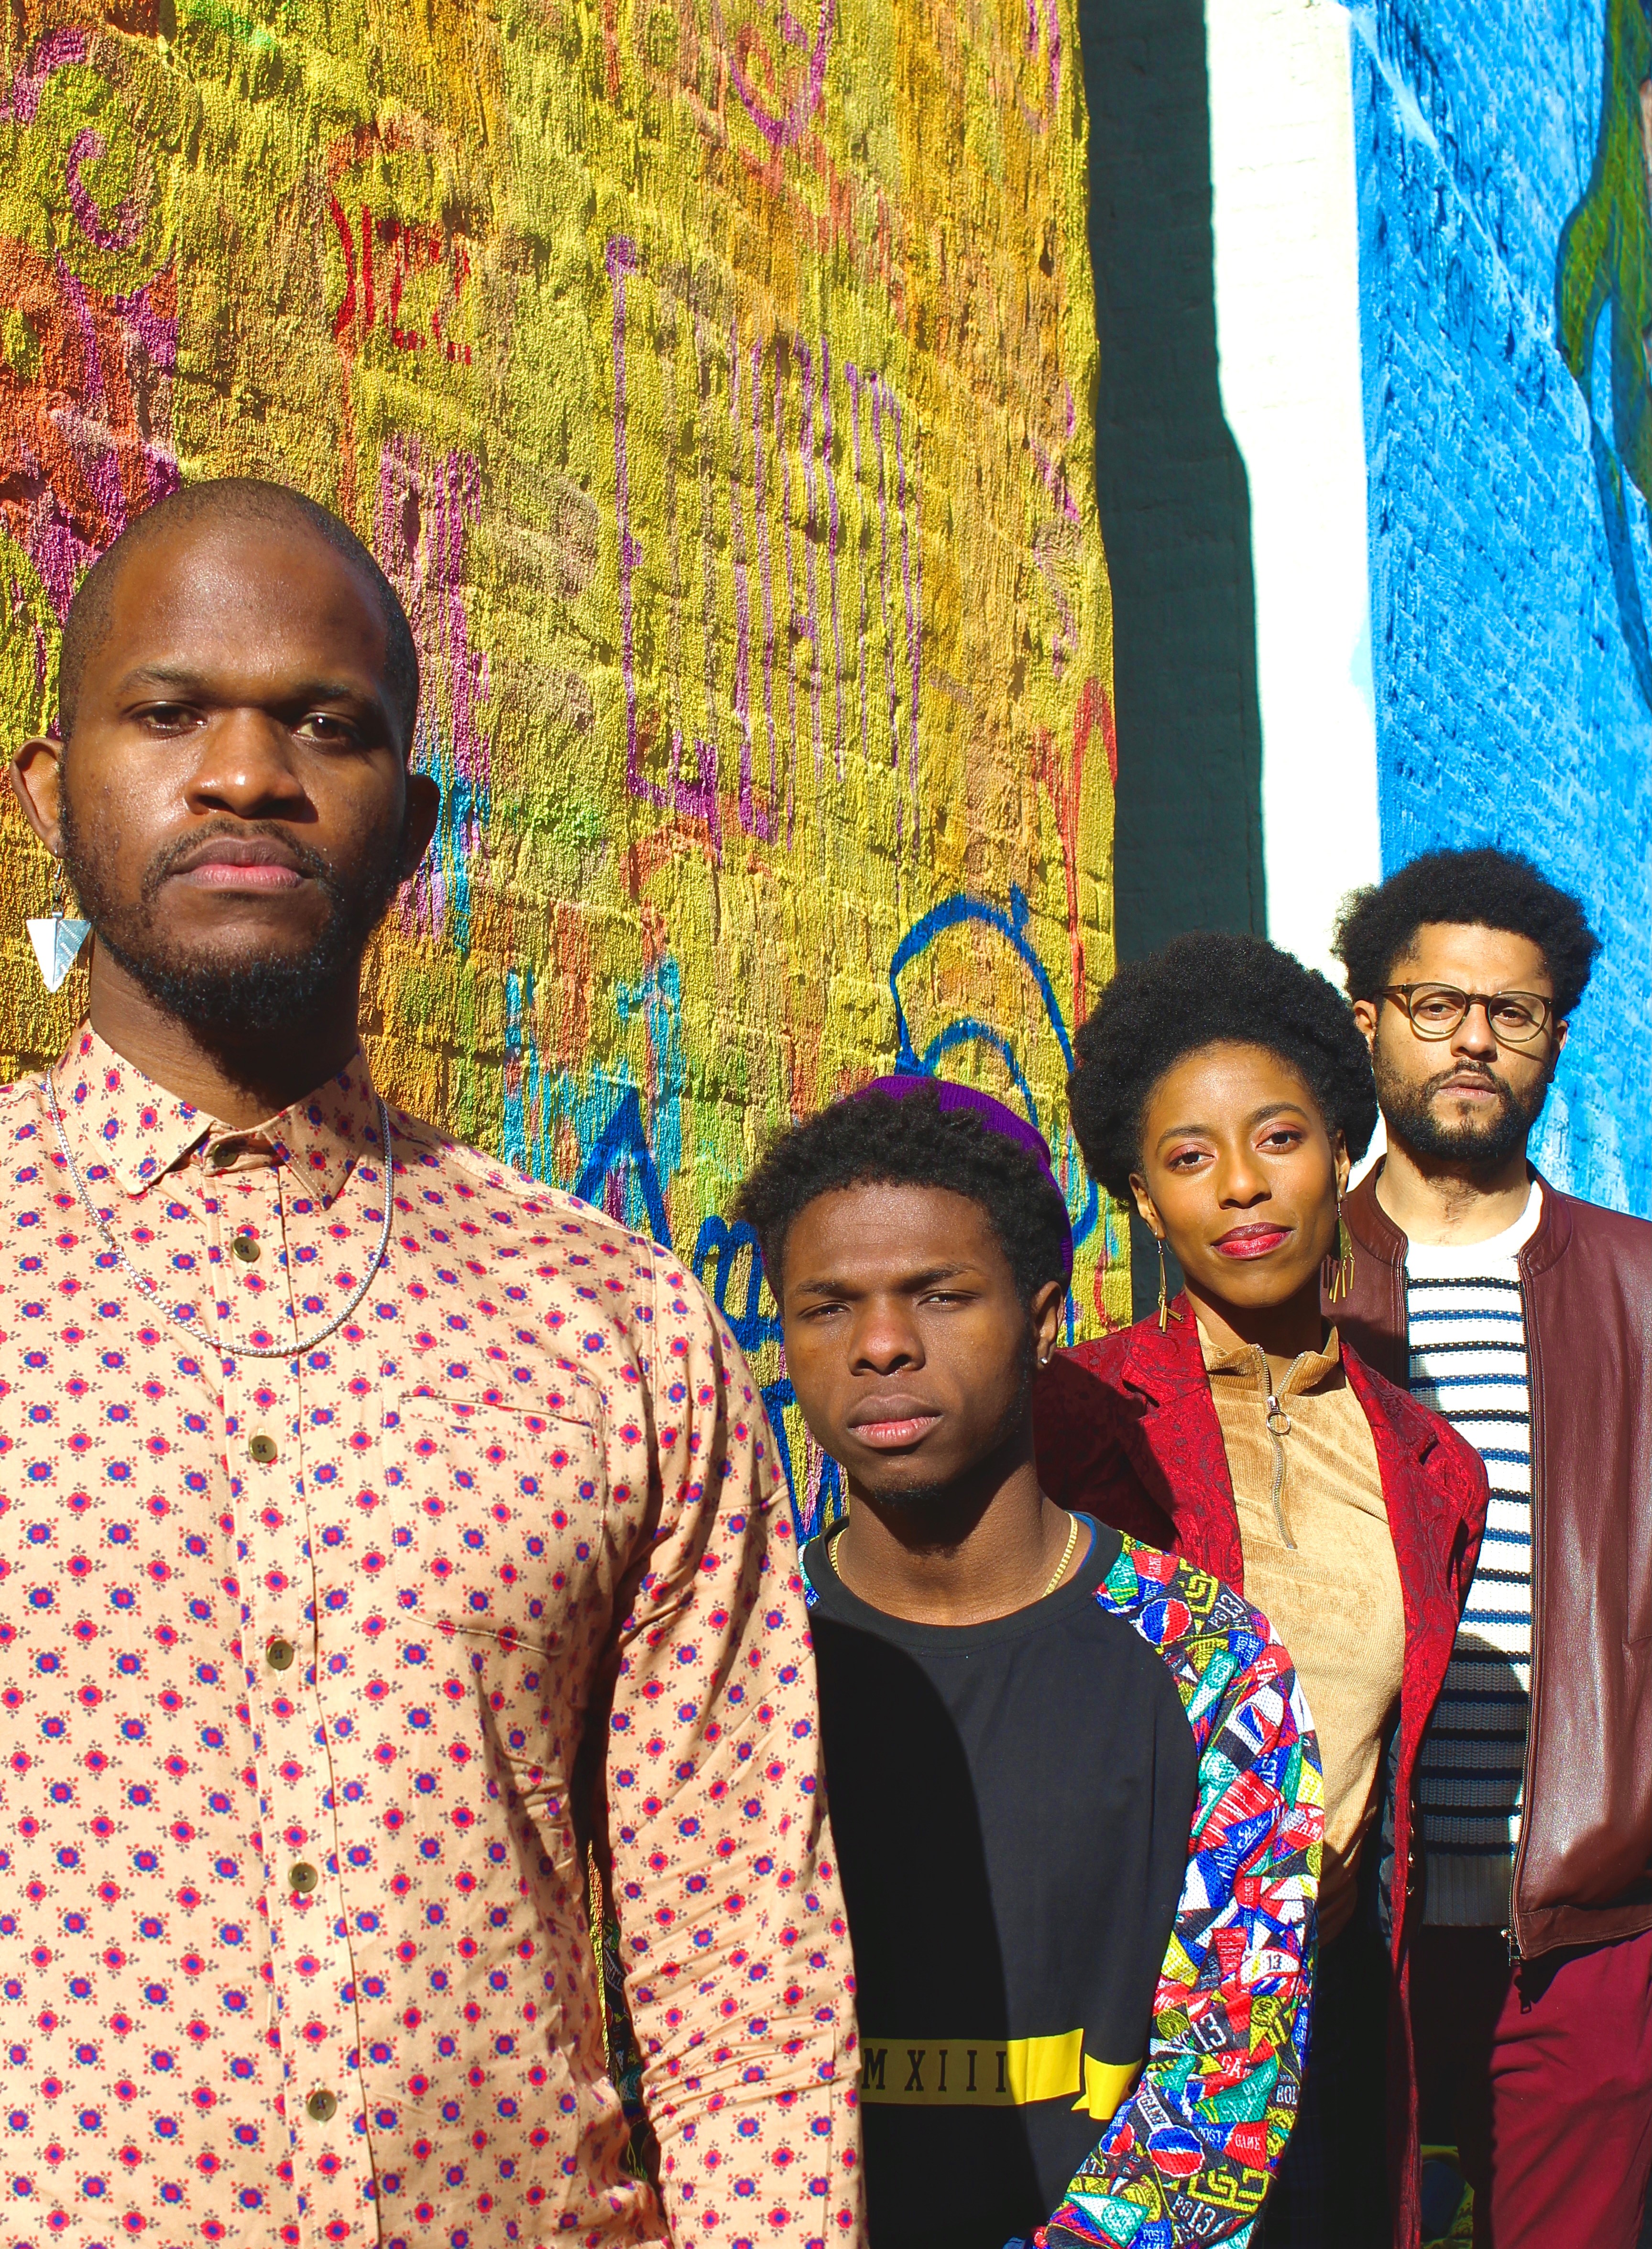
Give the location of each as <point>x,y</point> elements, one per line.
<point>876,1140</point>
<point>1200,990</point>
<point>1498,889</point>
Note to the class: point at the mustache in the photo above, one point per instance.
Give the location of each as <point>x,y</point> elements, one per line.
<point>1480,1072</point>
<point>308,860</point>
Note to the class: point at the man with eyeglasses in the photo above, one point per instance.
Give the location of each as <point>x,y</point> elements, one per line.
<point>1522,1315</point>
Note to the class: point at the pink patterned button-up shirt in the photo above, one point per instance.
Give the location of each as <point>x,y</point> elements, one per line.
<point>322,1676</point>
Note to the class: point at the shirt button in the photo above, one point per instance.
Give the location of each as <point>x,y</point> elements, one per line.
<point>322,2105</point>
<point>246,1248</point>
<point>263,1449</point>
<point>224,1155</point>
<point>303,1878</point>
<point>279,1654</point>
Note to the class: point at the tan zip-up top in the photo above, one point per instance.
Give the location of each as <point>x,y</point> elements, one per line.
<point>1319,1564</point>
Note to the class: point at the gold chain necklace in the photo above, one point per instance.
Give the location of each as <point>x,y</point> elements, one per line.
<point>1066,1557</point>
<point>189,1321</point>
<point>1060,1570</point>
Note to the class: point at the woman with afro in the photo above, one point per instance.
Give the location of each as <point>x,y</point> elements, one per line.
<point>1225,1090</point>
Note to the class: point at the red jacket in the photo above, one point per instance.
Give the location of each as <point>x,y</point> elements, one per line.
<point>1126,1428</point>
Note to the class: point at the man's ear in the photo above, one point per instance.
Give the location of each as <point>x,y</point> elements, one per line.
<point>1561,1030</point>
<point>418,822</point>
<point>1364,1013</point>
<point>1045,1309</point>
<point>35,776</point>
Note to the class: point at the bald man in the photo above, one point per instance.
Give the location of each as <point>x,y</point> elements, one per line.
<point>399,1619</point>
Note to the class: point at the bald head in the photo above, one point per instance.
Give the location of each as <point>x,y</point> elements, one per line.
<point>229,501</point>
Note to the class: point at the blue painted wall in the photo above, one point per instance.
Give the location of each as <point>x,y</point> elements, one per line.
<point>1512,565</point>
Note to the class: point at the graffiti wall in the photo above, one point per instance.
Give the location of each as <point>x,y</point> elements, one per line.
<point>714,380</point>
<point>1502,151</point>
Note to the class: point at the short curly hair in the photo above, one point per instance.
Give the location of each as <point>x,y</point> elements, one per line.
<point>1204,989</point>
<point>876,1140</point>
<point>1499,889</point>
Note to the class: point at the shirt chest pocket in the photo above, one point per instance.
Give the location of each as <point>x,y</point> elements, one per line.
<point>500,1515</point>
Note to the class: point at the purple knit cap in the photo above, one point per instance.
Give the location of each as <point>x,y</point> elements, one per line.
<point>994,1115</point>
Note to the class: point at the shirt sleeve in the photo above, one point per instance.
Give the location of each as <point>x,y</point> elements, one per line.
<point>1190,2157</point>
<point>732,1928</point>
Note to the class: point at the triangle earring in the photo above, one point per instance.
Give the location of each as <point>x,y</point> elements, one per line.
<point>57,940</point>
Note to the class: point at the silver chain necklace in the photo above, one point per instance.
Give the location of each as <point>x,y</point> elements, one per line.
<point>189,1320</point>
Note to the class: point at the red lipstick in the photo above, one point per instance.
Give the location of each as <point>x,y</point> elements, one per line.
<point>1252,1240</point>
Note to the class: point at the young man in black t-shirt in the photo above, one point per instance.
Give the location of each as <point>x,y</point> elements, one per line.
<point>1076,1803</point>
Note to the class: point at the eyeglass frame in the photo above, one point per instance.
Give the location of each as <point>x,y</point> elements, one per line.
<point>1400,994</point>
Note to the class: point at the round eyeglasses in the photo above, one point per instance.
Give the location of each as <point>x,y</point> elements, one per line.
<point>1436,1010</point>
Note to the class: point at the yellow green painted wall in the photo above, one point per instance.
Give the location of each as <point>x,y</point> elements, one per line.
<point>714,380</point>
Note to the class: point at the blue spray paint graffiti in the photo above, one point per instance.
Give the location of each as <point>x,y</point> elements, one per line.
<point>1084,1203</point>
<point>624,1158</point>
<point>727,1263</point>
<point>1505,284</point>
<point>619,1168</point>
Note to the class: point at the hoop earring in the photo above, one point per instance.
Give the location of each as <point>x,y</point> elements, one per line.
<point>1339,1274</point>
<point>57,938</point>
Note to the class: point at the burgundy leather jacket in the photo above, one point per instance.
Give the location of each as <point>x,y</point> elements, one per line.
<point>1127,1430</point>
<point>1583,1871</point>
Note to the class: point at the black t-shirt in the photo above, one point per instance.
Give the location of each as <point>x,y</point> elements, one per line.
<point>1012,1803</point>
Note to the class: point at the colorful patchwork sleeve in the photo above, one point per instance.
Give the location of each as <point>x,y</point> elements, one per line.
<point>1188,2158</point>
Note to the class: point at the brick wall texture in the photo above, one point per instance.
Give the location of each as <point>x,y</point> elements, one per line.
<point>715,379</point>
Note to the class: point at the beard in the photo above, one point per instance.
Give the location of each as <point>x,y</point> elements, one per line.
<point>1486,1142</point>
<point>256,997</point>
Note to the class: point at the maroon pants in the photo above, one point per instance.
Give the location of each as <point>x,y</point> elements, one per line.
<point>1540,2072</point>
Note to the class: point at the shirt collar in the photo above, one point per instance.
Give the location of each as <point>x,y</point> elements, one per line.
<point>1308,1371</point>
<point>140,1132</point>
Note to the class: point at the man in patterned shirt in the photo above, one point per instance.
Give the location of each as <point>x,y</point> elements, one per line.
<point>392,1580</point>
<point>1078,1809</point>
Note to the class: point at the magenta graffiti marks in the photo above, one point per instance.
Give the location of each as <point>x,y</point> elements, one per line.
<point>695,796</point>
<point>812,626</point>
<point>752,818</point>
<point>776,61</point>
<point>427,503</point>
<point>782,515</point>
<point>126,230</point>
<point>85,439</point>
<point>1058,552</point>
<point>833,529</point>
<point>853,374</point>
<point>913,590</point>
<point>765,572</point>
<point>875,386</point>
<point>52,51</point>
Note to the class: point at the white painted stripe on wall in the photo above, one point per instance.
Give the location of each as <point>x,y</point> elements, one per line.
<point>1288,332</point>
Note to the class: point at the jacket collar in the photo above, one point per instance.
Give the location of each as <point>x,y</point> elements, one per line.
<point>1167,1371</point>
<point>1415,1429</point>
<point>1375,1233</point>
<point>1166,1368</point>
<point>134,1132</point>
